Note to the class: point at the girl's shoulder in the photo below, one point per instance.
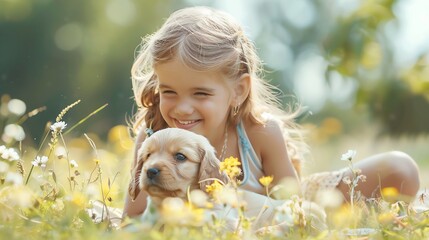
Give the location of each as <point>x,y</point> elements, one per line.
<point>264,135</point>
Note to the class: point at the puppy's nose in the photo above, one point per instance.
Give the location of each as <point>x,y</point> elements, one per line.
<point>152,173</point>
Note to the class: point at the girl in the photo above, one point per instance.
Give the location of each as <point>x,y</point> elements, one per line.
<point>201,73</point>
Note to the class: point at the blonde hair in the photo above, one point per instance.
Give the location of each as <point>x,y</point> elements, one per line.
<point>205,39</point>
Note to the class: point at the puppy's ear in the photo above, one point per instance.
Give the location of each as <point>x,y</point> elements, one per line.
<point>209,168</point>
<point>133,187</point>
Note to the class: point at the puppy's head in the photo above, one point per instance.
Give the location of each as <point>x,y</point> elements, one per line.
<point>170,161</point>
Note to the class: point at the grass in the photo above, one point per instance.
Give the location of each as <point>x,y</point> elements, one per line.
<point>56,201</point>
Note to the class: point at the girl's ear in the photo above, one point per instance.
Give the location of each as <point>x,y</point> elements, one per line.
<point>241,89</point>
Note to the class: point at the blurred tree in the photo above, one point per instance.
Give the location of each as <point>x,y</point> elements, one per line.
<point>354,41</point>
<point>55,52</point>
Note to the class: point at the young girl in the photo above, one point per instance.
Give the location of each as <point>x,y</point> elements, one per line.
<point>200,72</point>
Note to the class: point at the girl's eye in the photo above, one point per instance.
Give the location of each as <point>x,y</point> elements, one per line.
<point>180,157</point>
<point>201,94</point>
<point>169,92</point>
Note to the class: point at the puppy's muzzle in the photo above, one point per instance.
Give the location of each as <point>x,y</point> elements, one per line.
<point>152,173</point>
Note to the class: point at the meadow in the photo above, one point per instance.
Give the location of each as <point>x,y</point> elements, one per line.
<point>61,187</point>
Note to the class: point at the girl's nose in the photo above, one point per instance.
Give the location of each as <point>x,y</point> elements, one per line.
<point>184,107</point>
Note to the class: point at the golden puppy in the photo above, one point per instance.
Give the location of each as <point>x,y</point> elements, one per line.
<point>172,160</point>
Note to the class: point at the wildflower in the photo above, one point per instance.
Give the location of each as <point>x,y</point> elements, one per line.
<point>78,199</point>
<point>231,167</point>
<point>389,193</point>
<point>386,218</point>
<point>40,161</point>
<point>60,152</point>
<point>347,180</point>
<point>73,164</point>
<point>17,107</point>
<point>266,181</point>
<point>13,132</point>
<point>349,155</point>
<point>58,126</point>
<point>14,178</point>
<point>214,187</point>
<point>8,153</point>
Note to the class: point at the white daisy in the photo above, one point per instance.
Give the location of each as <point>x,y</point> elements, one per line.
<point>349,155</point>
<point>58,126</point>
<point>8,154</point>
<point>40,161</point>
<point>73,164</point>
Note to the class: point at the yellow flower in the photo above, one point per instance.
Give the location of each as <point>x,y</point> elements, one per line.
<point>231,167</point>
<point>386,218</point>
<point>78,199</point>
<point>389,193</point>
<point>266,181</point>
<point>214,187</point>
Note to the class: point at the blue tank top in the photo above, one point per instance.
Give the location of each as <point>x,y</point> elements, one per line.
<point>252,166</point>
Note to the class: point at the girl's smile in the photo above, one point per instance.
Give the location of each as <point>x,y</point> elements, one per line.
<point>194,100</point>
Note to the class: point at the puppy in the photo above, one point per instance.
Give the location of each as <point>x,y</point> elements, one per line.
<point>170,162</point>
<point>173,161</point>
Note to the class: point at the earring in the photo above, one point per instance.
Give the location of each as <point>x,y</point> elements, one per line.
<point>235,110</point>
<point>149,130</point>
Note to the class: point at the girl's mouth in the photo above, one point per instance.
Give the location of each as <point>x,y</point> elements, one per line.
<point>186,124</point>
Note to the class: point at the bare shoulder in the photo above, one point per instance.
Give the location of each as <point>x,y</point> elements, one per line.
<point>264,136</point>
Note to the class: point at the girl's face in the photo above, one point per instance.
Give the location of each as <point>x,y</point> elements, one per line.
<point>194,100</point>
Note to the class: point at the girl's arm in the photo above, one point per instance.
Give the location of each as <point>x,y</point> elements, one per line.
<point>269,143</point>
<point>136,207</point>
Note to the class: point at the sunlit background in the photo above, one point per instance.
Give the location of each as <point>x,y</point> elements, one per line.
<point>359,67</point>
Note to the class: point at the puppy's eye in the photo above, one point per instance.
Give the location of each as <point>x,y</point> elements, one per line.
<point>180,157</point>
